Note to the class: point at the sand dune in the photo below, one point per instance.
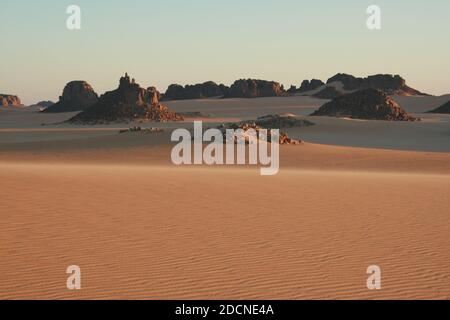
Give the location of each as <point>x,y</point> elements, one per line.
<point>357,193</point>
<point>165,232</point>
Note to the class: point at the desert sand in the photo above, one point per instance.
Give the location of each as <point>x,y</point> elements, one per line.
<point>355,194</point>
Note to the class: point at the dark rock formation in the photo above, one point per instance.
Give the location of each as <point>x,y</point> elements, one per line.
<point>198,91</point>
<point>159,95</point>
<point>390,84</point>
<point>7,100</point>
<point>445,108</point>
<point>77,96</point>
<point>365,104</point>
<point>349,81</point>
<point>251,88</point>
<point>292,90</point>
<point>328,93</point>
<point>128,102</point>
<point>310,85</point>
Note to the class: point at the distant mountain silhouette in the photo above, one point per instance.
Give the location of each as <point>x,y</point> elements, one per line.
<point>204,90</point>
<point>252,88</point>
<point>389,84</point>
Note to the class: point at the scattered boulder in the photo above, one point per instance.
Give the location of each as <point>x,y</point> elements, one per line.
<point>369,104</point>
<point>390,84</point>
<point>139,129</point>
<point>252,88</point>
<point>204,90</point>
<point>7,100</point>
<point>310,85</point>
<point>328,93</point>
<point>445,108</point>
<point>76,96</point>
<point>127,103</point>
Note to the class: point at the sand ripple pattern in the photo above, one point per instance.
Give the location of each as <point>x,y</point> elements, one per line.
<point>210,233</point>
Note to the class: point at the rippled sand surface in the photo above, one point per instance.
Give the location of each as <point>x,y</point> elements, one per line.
<point>168,232</point>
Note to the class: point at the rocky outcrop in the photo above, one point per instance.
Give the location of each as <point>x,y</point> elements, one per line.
<point>127,103</point>
<point>155,92</point>
<point>252,88</point>
<point>365,104</point>
<point>198,91</point>
<point>76,96</point>
<point>445,109</point>
<point>310,85</point>
<point>390,84</point>
<point>328,93</point>
<point>7,100</point>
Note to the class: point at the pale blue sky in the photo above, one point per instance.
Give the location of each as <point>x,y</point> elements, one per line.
<point>178,41</point>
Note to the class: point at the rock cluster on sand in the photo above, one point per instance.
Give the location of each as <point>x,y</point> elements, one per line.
<point>76,96</point>
<point>275,121</point>
<point>328,93</point>
<point>139,129</point>
<point>268,122</point>
<point>251,88</point>
<point>365,104</point>
<point>204,90</point>
<point>247,138</point>
<point>7,100</point>
<point>310,85</point>
<point>195,114</point>
<point>445,108</point>
<point>127,103</point>
<point>390,84</point>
